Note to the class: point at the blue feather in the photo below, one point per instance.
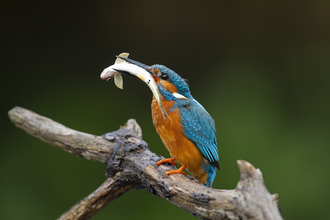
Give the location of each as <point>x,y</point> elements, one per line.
<point>199,127</point>
<point>212,170</point>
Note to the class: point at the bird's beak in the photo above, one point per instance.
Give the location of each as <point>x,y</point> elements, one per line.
<point>136,63</point>
<point>143,66</point>
<point>136,69</point>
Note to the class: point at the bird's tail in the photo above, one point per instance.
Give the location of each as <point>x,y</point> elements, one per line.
<point>212,171</point>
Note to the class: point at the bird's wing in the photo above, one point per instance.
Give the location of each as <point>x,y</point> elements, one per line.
<point>199,127</point>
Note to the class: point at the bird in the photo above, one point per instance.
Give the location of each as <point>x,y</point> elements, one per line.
<point>188,132</point>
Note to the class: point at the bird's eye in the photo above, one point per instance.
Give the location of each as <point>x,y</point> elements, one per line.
<point>164,76</point>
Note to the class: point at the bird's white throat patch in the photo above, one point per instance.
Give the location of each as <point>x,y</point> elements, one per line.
<point>179,96</point>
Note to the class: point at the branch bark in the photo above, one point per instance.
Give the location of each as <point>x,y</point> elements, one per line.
<point>130,164</point>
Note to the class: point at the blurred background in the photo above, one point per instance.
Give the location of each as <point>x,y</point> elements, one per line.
<point>260,68</point>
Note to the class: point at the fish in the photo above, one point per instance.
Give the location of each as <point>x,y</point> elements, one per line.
<point>109,73</point>
<point>122,67</point>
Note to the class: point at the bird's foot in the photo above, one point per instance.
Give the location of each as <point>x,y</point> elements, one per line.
<point>180,170</point>
<point>169,160</point>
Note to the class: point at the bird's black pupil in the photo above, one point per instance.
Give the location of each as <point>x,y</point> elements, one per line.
<point>164,76</point>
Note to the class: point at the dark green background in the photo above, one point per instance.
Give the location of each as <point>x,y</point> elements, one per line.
<point>260,68</point>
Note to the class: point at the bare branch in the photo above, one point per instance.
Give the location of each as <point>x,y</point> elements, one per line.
<point>89,206</point>
<point>84,145</point>
<point>129,164</point>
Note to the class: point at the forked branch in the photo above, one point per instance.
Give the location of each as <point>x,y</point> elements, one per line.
<point>130,164</point>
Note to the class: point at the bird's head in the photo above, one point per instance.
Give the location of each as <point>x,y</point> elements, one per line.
<point>170,84</point>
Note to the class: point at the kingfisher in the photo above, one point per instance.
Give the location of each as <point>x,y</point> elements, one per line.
<point>187,130</point>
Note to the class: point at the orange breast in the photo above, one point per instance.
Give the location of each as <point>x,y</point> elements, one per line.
<point>180,147</point>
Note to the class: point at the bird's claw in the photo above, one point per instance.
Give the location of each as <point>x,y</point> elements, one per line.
<point>180,170</point>
<point>174,172</point>
<point>169,160</point>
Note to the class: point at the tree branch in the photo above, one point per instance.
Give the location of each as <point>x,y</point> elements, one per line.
<point>130,164</point>
<point>102,196</point>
